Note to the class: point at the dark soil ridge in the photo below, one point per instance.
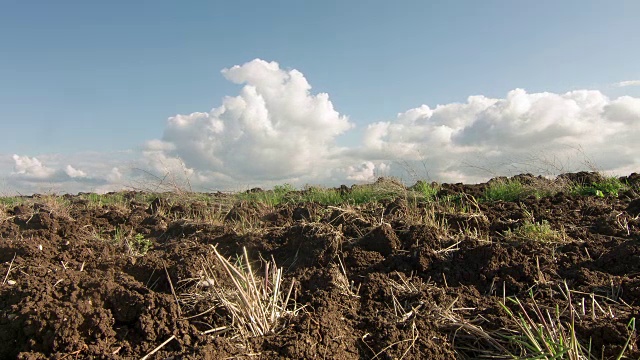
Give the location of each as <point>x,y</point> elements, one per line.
<point>391,279</point>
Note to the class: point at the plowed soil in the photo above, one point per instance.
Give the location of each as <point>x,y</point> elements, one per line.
<point>386,280</point>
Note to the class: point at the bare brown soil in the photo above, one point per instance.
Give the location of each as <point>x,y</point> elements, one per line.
<point>378,281</point>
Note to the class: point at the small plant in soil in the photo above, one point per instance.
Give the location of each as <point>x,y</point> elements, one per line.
<point>608,187</point>
<point>384,189</point>
<point>270,197</point>
<point>322,196</point>
<point>505,190</point>
<point>537,231</point>
<point>138,245</point>
<point>118,236</point>
<point>543,334</point>
<point>427,191</point>
<point>11,201</point>
<point>514,190</point>
<point>549,333</point>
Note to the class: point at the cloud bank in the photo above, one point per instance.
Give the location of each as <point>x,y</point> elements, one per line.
<point>539,132</point>
<point>94,172</point>
<point>277,130</point>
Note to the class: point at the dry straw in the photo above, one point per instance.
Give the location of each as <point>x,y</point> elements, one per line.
<point>255,304</point>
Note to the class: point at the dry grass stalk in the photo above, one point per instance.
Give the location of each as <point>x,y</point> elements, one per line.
<point>255,305</point>
<point>173,291</point>
<point>158,348</point>
<point>341,280</point>
<point>412,341</point>
<point>4,216</point>
<point>56,205</point>
<point>9,270</point>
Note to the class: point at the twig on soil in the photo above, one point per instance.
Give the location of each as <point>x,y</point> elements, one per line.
<point>172,289</point>
<point>474,331</point>
<point>242,356</point>
<point>77,352</point>
<point>200,314</point>
<point>492,287</point>
<point>8,218</point>
<point>9,270</point>
<point>158,348</point>
<point>412,341</point>
<point>342,281</point>
<point>504,293</point>
<point>453,247</point>
<point>218,329</point>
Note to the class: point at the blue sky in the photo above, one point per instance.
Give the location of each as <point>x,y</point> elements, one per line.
<point>101,77</point>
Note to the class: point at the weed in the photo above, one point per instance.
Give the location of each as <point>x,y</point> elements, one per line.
<point>426,191</point>
<point>364,194</point>
<point>323,196</point>
<point>11,201</point>
<point>100,200</point>
<point>515,190</point>
<point>341,280</point>
<point>608,187</point>
<point>357,195</point>
<point>539,333</point>
<point>537,231</point>
<point>138,245</point>
<point>544,335</point>
<point>7,203</point>
<point>118,236</point>
<point>505,190</point>
<point>53,204</point>
<point>270,197</point>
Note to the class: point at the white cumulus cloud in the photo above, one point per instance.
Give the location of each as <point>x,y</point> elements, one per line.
<point>367,171</point>
<point>73,172</point>
<point>114,175</point>
<point>31,167</point>
<point>521,132</point>
<point>274,129</point>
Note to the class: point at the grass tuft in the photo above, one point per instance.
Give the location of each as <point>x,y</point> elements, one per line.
<point>549,333</point>
<point>541,334</point>
<point>608,187</point>
<point>514,190</point>
<point>505,190</point>
<point>427,191</point>
<point>11,201</point>
<point>256,305</point>
<point>537,231</point>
